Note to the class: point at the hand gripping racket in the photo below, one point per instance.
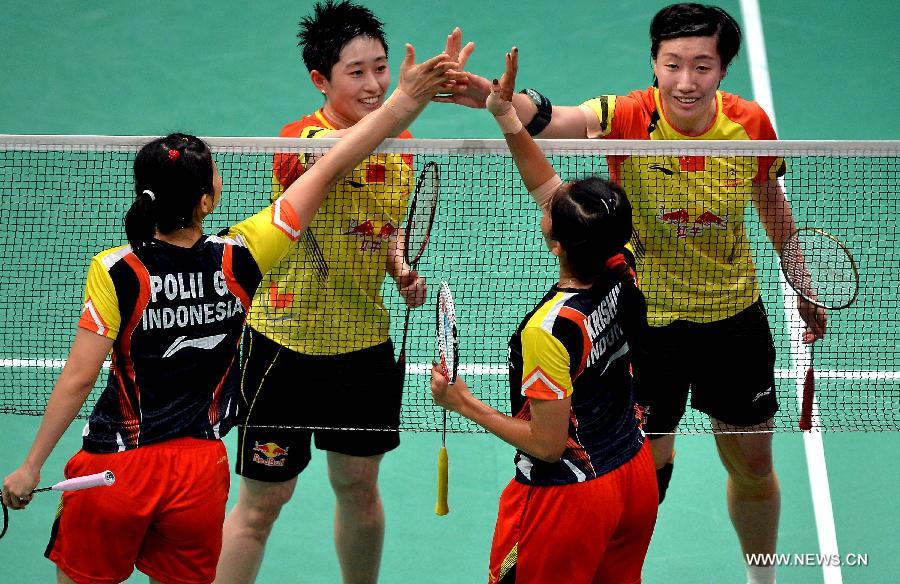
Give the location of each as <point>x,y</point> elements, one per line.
<point>417,231</point>
<point>822,271</point>
<point>448,349</point>
<point>100,479</point>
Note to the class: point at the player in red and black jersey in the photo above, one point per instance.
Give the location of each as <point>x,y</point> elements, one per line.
<point>170,307</point>
<point>582,506</point>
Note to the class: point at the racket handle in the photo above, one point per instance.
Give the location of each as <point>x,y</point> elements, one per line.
<point>441,508</point>
<point>100,479</point>
<point>809,389</point>
<point>401,361</point>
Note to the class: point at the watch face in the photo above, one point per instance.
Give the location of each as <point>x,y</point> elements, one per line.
<point>532,95</point>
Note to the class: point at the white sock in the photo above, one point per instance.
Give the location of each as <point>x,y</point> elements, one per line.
<point>760,574</point>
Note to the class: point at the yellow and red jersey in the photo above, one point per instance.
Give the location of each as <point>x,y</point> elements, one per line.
<point>324,297</point>
<point>175,315</point>
<point>575,344</point>
<point>694,257</point>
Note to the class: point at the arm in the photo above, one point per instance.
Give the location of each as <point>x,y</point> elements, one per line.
<point>411,286</point>
<point>536,171</point>
<point>69,394</point>
<point>473,91</point>
<point>774,211</point>
<point>778,221</point>
<point>418,84</point>
<point>543,436</point>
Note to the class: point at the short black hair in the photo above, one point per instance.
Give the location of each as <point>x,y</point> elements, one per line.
<point>332,25</point>
<point>591,220</point>
<point>171,174</point>
<point>690,19</point>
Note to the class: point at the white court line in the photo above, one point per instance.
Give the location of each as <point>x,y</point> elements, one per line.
<point>38,363</point>
<point>812,441</point>
<point>481,369</point>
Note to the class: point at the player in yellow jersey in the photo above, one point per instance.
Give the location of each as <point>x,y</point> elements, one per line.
<point>710,332</point>
<point>170,307</point>
<point>317,352</point>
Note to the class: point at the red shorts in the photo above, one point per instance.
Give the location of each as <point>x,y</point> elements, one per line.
<point>583,533</point>
<point>163,515</point>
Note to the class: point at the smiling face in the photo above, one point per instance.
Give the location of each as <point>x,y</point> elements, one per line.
<point>357,83</point>
<point>689,71</point>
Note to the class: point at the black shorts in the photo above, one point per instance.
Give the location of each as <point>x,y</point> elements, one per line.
<point>729,366</point>
<point>288,396</point>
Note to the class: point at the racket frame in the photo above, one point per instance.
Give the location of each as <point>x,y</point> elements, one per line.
<point>447,333</point>
<point>798,288</point>
<point>430,167</point>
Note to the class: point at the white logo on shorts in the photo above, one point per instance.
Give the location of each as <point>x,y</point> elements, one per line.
<point>762,393</point>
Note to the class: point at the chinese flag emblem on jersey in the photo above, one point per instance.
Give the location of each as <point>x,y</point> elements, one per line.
<point>692,163</point>
<point>375,173</point>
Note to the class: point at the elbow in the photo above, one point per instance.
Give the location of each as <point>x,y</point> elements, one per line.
<point>77,385</point>
<point>551,453</point>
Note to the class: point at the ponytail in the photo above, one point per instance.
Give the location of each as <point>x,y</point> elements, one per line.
<point>140,224</point>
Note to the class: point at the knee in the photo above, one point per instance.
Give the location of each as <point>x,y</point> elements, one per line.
<point>357,488</point>
<point>751,474</point>
<point>257,509</point>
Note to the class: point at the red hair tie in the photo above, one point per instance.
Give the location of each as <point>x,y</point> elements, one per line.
<point>174,154</point>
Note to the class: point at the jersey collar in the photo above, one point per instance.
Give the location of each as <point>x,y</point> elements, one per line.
<point>671,133</point>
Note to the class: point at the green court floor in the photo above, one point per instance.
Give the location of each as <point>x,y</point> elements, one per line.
<point>232,69</point>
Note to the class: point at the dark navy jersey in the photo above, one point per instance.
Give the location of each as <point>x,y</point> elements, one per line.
<point>575,343</point>
<point>176,316</point>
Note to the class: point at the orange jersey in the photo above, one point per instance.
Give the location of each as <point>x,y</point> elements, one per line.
<point>324,297</point>
<point>694,257</point>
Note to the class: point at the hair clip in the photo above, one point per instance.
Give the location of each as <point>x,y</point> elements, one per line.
<point>149,193</point>
<point>174,154</point>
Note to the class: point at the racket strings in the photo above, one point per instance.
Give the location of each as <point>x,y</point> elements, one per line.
<point>422,211</point>
<point>820,269</point>
<point>448,345</point>
<point>318,257</point>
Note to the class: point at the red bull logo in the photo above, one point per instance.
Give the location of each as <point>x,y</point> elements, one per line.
<point>269,454</point>
<point>685,227</point>
<point>371,240</point>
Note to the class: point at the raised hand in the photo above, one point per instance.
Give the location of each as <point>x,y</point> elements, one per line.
<point>456,51</point>
<point>500,99</point>
<point>424,80</point>
<point>471,90</point>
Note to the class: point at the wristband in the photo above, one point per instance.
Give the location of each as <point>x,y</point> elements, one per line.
<point>509,122</point>
<point>400,104</point>
<point>544,193</point>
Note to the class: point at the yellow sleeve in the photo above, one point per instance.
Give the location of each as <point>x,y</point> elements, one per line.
<point>269,234</point>
<point>545,366</point>
<point>100,313</point>
<point>288,167</point>
<point>604,107</point>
